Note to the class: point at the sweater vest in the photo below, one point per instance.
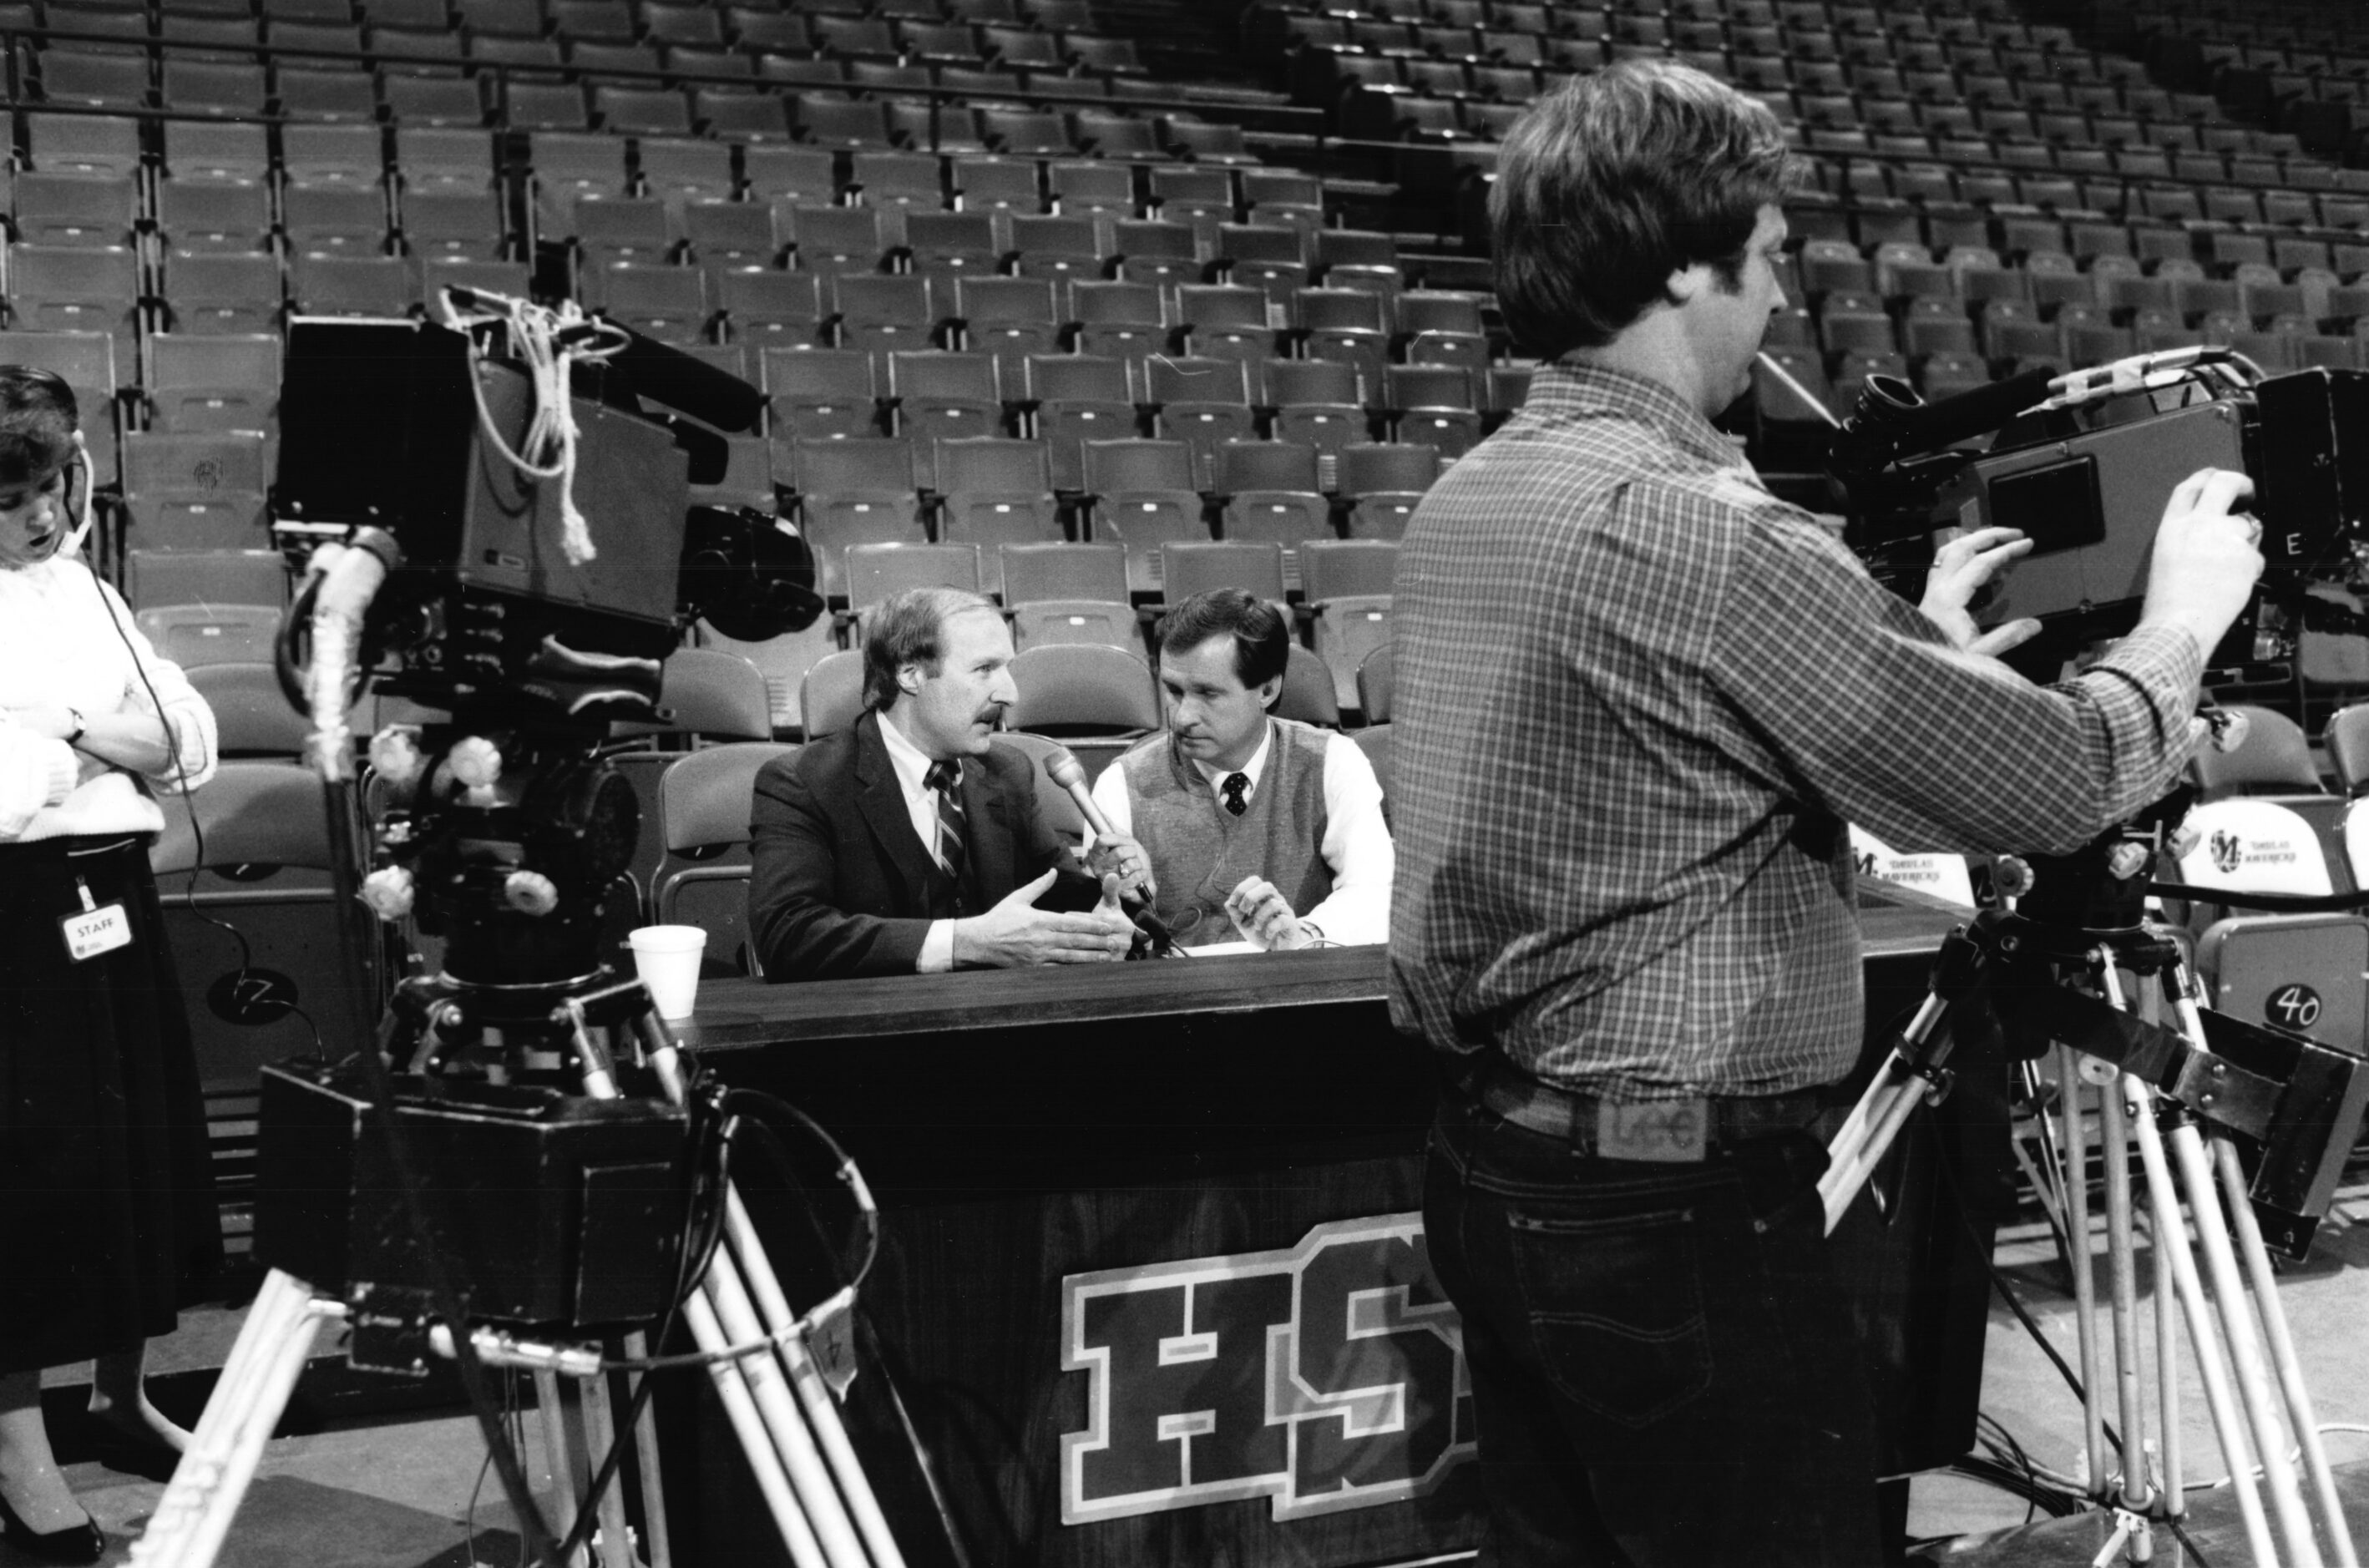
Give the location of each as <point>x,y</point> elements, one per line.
<point>1201,851</point>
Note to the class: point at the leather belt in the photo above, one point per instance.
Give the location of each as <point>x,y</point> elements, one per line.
<point>1666,1130</point>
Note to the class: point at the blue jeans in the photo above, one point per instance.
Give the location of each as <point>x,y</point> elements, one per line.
<point>1664,1369</point>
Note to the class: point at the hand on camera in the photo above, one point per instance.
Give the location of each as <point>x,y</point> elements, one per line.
<point>2207,557</point>
<point>1961,569</point>
<point>1015,933</point>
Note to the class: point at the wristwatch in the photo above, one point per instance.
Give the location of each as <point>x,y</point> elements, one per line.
<point>81,725</point>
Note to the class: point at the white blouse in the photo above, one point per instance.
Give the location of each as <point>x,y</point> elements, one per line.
<point>61,645</point>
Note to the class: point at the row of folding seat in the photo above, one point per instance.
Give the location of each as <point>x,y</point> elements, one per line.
<point>678,169</point>
<point>96,209</point>
<point>1139,494</point>
<point>1068,400</point>
<point>813,112</point>
<point>511,30</point>
<point>2306,193</point>
<point>2086,234</point>
<point>2036,266</point>
<point>2008,340</point>
<point>609,20</point>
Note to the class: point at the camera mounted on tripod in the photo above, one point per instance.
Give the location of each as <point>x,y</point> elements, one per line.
<point>2083,464</point>
<point>524,473</point>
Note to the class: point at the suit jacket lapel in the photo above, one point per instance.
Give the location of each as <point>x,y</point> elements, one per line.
<point>990,831</point>
<point>882,800</point>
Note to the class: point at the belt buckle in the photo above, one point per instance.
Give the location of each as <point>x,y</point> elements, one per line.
<point>1662,1132</point>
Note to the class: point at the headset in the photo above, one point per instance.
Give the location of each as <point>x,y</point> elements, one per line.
<point>24,384</point>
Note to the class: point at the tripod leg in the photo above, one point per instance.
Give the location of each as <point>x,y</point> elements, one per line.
<point>2212,1363</point>
<point>769,1385</point>
<point>2122,1269</point>
<point>780,1452</point>
<point>193,1515</point>
<point>2245,1347</point>
<point>2167,1359</point>
<point>656,1550</point>
<point>1868,1132</point>
<point>552,1406</point>
<point>2076,1258</point>
<point>600,1433</point>
<point>814,1394</point>
<point>764,1460</point>
<point>2167,1311</point>
<point>2282,1351</point>
<point>821,1410</point>
<point>2121,1273</point>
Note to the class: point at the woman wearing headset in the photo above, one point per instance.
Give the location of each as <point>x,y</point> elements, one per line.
<point>107,1216</point>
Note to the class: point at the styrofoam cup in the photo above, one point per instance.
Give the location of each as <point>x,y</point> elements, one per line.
<point>667,957</point>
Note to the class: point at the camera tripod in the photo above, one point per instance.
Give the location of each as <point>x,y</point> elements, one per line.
<point>2179,1089</point>
<point>780,1405</point>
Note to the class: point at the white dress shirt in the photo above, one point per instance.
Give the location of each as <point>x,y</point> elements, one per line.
<point>1357,844</point>
<point>67,640</point>
<point>912,765</point>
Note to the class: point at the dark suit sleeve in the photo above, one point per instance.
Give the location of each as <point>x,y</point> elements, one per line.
<point>1039,847</point>
<point>796,889</point>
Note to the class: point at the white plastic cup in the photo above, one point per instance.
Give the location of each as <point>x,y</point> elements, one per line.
<point>667,957</point>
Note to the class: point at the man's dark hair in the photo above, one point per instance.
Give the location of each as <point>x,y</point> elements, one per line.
<point>36,423</point>
<point>910,628</point>
<point>1262,637</point>
<point>1614,181</point>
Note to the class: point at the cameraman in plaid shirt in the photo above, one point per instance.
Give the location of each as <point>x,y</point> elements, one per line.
<point>1639,700</point>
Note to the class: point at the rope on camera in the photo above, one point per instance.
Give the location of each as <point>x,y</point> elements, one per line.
<point>547,342</point>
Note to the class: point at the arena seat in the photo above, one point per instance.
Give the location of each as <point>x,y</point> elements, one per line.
<point>704,802</point>
<point>1082,688</point>
<point>1191,568</point>
<point>1144,497</point>
<point>1068,593</point>
<point>263,876</point>
<point>1375,684</point>
<point>252,716</point>
<point>831,693</point>
<point>1382,485</point>
<point>994,491</point>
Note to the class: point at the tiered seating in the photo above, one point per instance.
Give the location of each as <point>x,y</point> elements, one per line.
<point>1986,194</point>
<point>952,298</point>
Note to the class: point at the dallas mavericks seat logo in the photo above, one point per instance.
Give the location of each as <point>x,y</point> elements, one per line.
<point>2229,850</point>
<point>1323,1377</point>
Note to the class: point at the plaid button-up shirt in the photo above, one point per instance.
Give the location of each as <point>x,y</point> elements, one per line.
<point>1638,699</point>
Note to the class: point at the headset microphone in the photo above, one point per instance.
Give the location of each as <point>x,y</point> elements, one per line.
<point>81,458</point>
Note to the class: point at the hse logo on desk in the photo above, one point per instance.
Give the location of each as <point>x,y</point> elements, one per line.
<point>1325,1376</point>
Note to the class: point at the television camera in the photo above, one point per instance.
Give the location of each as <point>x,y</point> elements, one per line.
<point>496,506</point>
<point>508,468</point>
<point>2083,464</point>
<point>2246,1128</point>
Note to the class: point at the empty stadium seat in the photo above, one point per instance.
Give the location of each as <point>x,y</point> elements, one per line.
<point>993,492</point>
<point>1069,593</point>
<point>1144,497</point>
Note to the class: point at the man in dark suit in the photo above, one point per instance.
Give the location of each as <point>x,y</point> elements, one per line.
<point>912,843</point>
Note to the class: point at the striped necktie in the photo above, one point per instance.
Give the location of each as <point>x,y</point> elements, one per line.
<point>946,779</point>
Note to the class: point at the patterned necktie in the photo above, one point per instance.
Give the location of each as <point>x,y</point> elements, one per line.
<point>946,779</point>
<point>1234,787</point>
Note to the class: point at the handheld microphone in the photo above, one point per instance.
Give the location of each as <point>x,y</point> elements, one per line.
<point>1062,765</point>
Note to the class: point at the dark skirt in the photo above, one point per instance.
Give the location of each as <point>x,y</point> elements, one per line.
<point>108,1222</point>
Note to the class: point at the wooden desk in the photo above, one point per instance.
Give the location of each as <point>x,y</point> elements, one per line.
<point>1077,1165</point>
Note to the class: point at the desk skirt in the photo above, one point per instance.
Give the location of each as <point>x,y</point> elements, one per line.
<point>108,1222</point>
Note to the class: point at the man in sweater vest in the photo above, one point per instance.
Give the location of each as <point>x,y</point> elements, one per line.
<point>1257,828</point>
